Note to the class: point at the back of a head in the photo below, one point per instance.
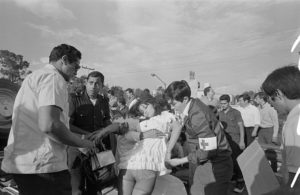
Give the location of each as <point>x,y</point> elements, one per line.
<point>64,50</point>
<point>177,90</point>
<point>285,79</point>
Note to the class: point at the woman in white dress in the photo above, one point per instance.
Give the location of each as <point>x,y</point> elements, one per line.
<point>142,161</point>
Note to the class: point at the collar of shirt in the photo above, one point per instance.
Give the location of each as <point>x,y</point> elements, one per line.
<point>227,111</point>
<point>265,105</point>
<point>294,111</point>
<point>186,109</point>
<point>50,66</point>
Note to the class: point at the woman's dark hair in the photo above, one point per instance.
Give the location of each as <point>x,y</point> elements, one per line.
<point>158,104</point>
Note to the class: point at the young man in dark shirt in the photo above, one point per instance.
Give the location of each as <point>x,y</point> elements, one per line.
<point>234,130</point>
<point>89,113</point>
<point>210,160</point>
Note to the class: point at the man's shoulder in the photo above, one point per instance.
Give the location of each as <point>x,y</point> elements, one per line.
<point>43,74</point>
<point>234,110</point>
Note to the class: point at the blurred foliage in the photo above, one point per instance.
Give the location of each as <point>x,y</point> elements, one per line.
<point>14,67</point>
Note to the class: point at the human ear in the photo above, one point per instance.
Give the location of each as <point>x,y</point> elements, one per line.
<point>279,94</point>
<point>64,59</point>
<point>186,99</point>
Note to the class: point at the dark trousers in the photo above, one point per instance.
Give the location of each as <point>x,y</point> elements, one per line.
<point>236,151</point>
<point>248,135</point>
<point>212,178</point>
<point>265,135</point>
<point>57,183</point>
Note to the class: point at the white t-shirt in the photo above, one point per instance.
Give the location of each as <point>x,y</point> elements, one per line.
<point>250,115</point>
<point>29,150</point>
<point>291,139</point>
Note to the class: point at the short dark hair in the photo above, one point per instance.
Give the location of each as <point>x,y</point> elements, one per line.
<point>206,90</point>
<point>64,50</point>
<point>245,96</point>
<point>225,97</point>
<point>177,90</point>
<point>261,95</point>
<point>122,100</point>
<point>96,74</point>
<point>111,92</point>
<point>158,106</point>
<point>286,79</point>
<point>147,90</point>
<point>129,90</point>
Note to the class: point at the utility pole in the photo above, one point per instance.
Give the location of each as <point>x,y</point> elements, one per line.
<point>87,68</point>
<point>155,75</point>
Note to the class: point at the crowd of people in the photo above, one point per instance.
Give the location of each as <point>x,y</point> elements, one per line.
<point>54,132</point>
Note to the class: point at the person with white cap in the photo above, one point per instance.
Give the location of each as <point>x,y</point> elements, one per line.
<point>208,97</point>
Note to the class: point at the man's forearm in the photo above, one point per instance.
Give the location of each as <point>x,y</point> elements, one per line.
<point>133,136</point>
<point>275,129</point>
<point>78,130</point>
<point>61,134</point>
<point>242,131</point>
<point>255,130</point>
<point>112,128</point>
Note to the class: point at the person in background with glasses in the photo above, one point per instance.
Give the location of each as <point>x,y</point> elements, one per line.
<point>36,152</point>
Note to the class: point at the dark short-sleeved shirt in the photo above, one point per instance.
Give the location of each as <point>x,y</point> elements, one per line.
<point>87,116</point>
<point>230,121</point>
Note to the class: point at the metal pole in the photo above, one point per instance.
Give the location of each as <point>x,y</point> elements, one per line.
<point>87,68</point>
<point>154,75</point>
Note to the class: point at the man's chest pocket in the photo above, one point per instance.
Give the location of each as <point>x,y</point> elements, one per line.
<point>83,115</point>
<point>231,119</point>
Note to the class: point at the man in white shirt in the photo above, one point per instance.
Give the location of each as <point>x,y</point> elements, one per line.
<point>268,130</point>
<point>251,118</point>
<point>131,100</point>
<point>36,150</point>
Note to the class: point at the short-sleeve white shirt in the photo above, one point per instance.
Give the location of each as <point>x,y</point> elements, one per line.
<point>250,115</point>
<point>291,139</point>
<point>29,150</point>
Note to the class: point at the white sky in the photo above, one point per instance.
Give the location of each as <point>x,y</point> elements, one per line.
<point>231,44</point>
